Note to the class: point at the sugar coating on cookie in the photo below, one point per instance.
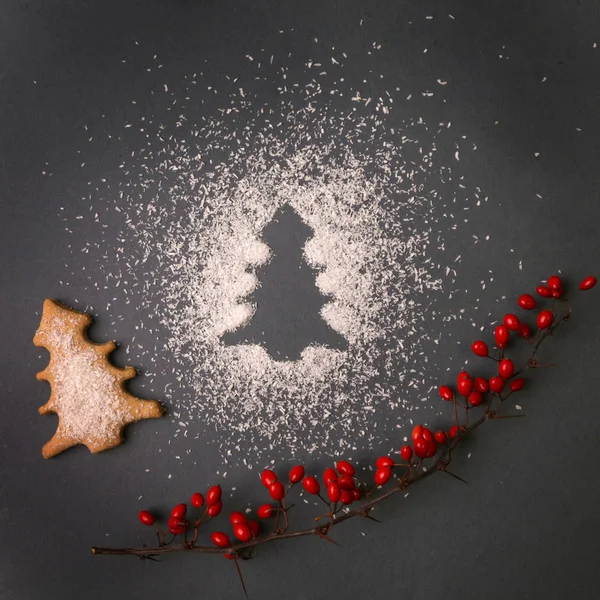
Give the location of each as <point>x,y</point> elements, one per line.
<point>87,390</point>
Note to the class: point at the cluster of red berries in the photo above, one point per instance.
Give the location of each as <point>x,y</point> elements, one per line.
<point>425,443</point>
<point>244,530</point>
<point>511,323</point>
<point>340,485</point>
<point>178,522</point>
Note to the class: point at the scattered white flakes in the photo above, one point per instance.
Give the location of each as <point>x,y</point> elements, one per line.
<point>536,154</point>
<point>441,82</point>
<point>194,201</point>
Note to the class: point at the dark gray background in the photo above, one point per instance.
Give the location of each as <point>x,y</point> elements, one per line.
<point>526,526</point>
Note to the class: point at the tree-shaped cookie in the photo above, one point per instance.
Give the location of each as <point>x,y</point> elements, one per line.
<point>88,394</point>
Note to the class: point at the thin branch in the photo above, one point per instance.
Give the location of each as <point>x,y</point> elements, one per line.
<point>410,478</point>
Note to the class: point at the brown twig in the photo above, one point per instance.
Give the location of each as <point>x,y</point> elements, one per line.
<point>414,475</point>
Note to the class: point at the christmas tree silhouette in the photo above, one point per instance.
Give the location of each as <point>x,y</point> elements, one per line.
<point>287,300</point>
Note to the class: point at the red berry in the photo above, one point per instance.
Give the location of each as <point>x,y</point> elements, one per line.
<point>146,517</point>
<point>296,474</point>
<point>333,491</point>
<point>346,482</point>
<point>480,348</point>
<point>441,437</point>
<point>506,368</point>
<point>502,336</point>
<point>517,384</point>
<point>176,525</point>
<point>214,509</point>
<point>481,385</point>
<point>421,447</point>
<point>311,485</point>
<point>475,398</point>
<point>417,432</point>
<point>346,497</point>
<point>588,283</point>
<point>220,539</point>
<point>242,532</point>
<point>382,475</point>
<point>237,517</point>
<point>557,289</point>
<point>526,301</point>
<point>214,495</point>
<point>329,476</point>
<point>427,434</point>
<point>356,494</point>
<point>268,477</point>
<point>465,386</point>
<point>525,330</point>
<point>431,448</point>
<point>453,431</point>
<point>265,511</point>
<point>345,468</point>
<point>496,384</point>
<point>179,511</point>
<point>229,556</point>
<point>197,500</point>
<point>555,283</point>
<point>178,530</point>
<point>406,453</point>
<point>446,392</point>
<point>543,291</point>
<point>277,491</point>
<point>384,461</point>
<point>512,322</point>
<point>254,527</point>
<point>544,319</point>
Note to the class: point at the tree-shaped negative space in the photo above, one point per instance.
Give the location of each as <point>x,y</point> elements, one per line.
<point>288,302</point>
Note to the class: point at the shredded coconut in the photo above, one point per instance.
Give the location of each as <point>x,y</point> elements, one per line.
<point>194,198</point>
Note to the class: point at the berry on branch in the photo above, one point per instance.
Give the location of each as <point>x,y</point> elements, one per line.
<point>146,517</point>
<point>526,302</point>
<point>480,348</point>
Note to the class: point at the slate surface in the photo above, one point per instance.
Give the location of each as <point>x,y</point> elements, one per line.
<point>526,525</point>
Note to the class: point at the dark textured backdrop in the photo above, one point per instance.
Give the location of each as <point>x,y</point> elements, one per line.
<point>526,525</point>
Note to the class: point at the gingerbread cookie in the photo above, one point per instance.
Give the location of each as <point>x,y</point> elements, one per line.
<point>87,394</point>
